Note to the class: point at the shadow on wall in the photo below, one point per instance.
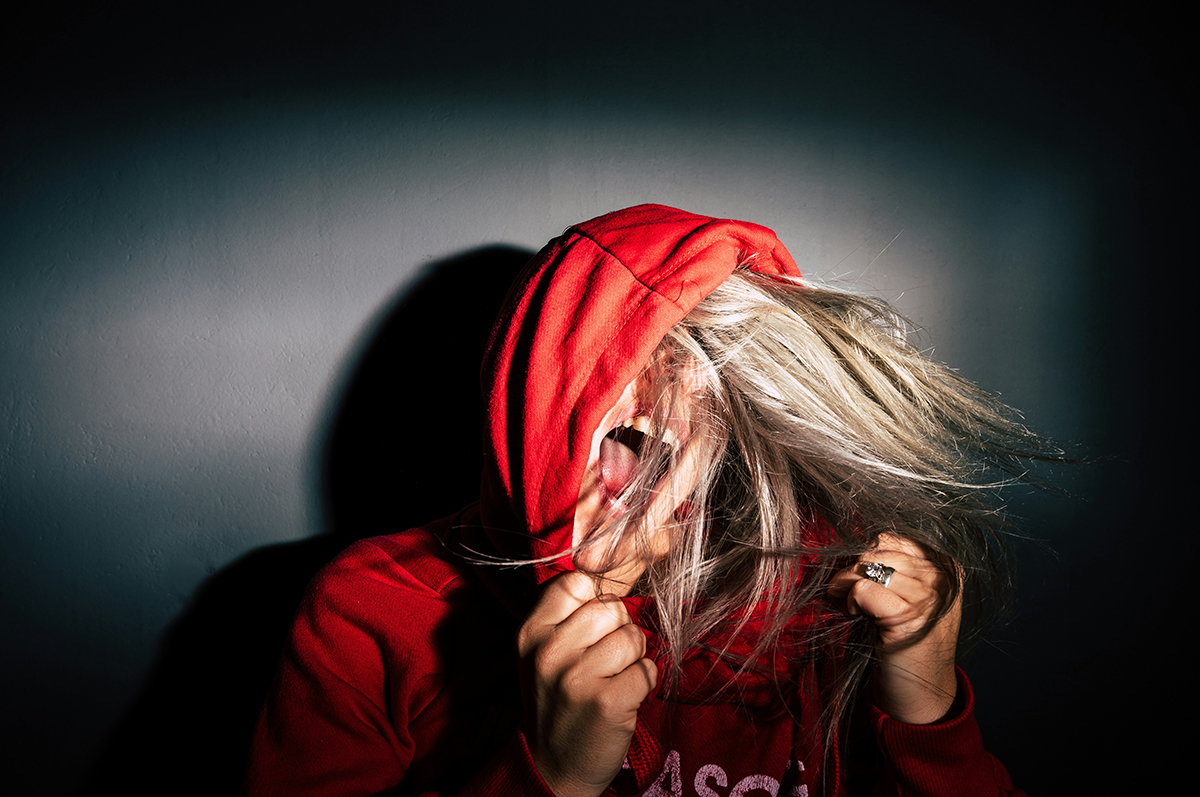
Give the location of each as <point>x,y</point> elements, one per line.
<point>404,447</point>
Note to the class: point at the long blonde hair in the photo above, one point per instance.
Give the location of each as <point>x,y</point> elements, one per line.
<point>813,425</point>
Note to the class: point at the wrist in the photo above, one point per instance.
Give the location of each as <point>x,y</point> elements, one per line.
<point>916,696</point>
<point>559,780</point>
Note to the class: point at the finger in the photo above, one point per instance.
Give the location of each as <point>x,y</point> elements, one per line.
<point>637,680</point>
<point>565,593</point>
<point>625,691</point>
<point>900,546</point>
<point>907,560</point>
<point>905,600</point>
<point>900,582</point>
<point>619,696</point>
<point>615,652</point>
<point>560,598</point>
<point>588,624</point>
<point>889,608</point>
<point>918,588</point>
<point>912,558</point>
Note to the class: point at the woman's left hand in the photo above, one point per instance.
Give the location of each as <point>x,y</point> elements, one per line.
<point>914,681</point>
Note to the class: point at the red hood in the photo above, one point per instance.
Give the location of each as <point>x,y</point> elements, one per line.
<point>579,324</point>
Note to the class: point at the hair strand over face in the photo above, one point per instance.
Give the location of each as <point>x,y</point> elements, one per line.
<point>813,426</point>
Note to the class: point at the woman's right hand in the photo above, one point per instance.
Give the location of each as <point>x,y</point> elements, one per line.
<point>585,676</point>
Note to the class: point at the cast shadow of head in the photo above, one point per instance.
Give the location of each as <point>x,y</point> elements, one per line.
<point>403,447</point>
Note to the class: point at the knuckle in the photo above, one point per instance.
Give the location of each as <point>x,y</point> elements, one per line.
<point>603,614</point>
<point>573,684</point>
<point>545,659</point>
<point>651,672</point>
<point>525,639</point>
<point>611,703</point>
<point>636,638</point>
<point>861,588</point>
<point>625,646</point>
<point>580,686</point>
<point>577,584</point>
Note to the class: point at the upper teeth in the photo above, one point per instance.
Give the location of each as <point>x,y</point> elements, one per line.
<point>641,423</point>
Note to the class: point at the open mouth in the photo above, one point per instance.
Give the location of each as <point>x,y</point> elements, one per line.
<point>620,451</point>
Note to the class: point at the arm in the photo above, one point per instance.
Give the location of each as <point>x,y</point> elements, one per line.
<point>941,759</point>
<point>325,726</point>
<point>360,702</point>
<point>914,680</point>
<point>921,708</point>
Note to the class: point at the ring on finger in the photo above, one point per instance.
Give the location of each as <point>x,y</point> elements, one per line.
<point>879,572</point>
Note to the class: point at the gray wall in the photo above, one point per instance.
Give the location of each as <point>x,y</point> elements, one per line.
<point>214,231</point>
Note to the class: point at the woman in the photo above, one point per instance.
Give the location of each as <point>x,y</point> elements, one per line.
<point>730,518</point>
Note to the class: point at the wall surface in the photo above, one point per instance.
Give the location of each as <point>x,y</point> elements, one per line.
<point>247,259</point>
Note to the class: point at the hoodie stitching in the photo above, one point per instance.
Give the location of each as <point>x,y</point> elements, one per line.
<point>689,255</point>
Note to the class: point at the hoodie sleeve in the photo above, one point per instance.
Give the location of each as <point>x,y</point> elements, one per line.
<point>354,708</point>
<point>944,759</point>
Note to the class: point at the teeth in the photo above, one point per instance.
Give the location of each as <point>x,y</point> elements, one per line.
<point>642,424</point>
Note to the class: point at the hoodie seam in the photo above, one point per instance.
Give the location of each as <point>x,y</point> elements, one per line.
<point>652,288</point>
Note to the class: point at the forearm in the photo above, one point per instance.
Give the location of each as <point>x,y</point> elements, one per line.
<point>944,758</point>
<point>918,685</point>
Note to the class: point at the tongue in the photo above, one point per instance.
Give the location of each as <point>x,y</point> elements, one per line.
<point>617,462</point>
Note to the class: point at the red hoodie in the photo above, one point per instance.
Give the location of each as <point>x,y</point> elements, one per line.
<point>400,673</point>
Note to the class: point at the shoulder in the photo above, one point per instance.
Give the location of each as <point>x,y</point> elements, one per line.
<point>414,561</point>
<point>407,572</point>
<point>390,597</point>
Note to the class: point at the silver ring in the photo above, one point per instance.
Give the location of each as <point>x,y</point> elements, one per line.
<point>879,572</point>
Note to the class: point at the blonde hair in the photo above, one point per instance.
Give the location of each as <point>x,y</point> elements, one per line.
<point>812,426</point>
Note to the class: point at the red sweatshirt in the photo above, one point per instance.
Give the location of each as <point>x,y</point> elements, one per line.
<point>400,674</point>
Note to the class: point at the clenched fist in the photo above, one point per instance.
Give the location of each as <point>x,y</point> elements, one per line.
<point>585,676</point>
<point>918,633</point>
